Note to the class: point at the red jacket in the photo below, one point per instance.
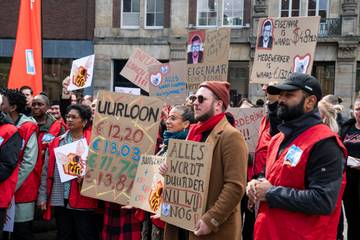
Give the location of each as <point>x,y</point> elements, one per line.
<point>7,187</point>
<point>28,191</point>
<point>278,224</point>
<point>262,147</point>
<point>75,199</point>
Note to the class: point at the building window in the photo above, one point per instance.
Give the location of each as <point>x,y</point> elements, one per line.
<point>154,13</point>
<point>289,8</point>
<point>233,12</point>
<point>207,12</point>
<point>318,8</point>
<point>130,13</point>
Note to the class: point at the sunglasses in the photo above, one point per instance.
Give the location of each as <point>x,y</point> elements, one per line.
<point>200,98</point>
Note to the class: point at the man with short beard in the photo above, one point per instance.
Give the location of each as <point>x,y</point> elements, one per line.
<point>222,218</point>
<point>300,196</point>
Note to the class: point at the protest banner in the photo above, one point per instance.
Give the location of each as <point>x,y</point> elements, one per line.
<point>247,121</point>
<point>71,159</point>
<point>124,128</point>
<point>81,73</point>
<point>284,46</point>
<point>168,81</point>
<point>135,69</point>
<point>148,186</point>
<point>186,183</point>
<point>207,56</point>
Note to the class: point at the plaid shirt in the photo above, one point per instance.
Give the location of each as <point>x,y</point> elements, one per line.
<point>120,224</point>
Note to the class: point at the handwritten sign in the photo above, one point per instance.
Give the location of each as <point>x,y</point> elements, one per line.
<point>168,81</point>
<point>207,56</point>
<point>135,69</point>
<point>71,159</point>
<point>284,46</point>
<point>149,184</point>
<point>247,121</point>
<point>124,128</point>
<point>187,182</point>
<point>81,73</point>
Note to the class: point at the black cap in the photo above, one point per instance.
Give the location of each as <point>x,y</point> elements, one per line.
<point>298,81</point>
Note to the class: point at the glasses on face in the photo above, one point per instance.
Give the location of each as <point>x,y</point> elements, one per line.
<point>195,47</point>
<point>199,98</point>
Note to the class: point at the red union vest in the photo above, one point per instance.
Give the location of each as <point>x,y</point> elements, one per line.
<point>7,187</point>
<point>262,146</point>
<point>28,190</point>
<point>76,200</point>
<point>280,224</point>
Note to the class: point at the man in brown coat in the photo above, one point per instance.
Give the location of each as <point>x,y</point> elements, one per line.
<point>222,218</point>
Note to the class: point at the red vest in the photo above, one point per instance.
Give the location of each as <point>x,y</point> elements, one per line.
<point>28,190</point>
<point>7,187</point>
<point>280,224</point>
<point>262,146</point>
<point>75,199</point>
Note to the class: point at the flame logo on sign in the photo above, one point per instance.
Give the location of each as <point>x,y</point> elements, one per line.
<point>80,78</point>
<point>155,196</point>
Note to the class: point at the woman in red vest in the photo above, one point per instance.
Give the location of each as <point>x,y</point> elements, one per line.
<point>74,214</point>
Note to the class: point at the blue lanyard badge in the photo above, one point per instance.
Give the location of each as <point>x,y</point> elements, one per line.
<point>293,156</point>
<point>47,138</point>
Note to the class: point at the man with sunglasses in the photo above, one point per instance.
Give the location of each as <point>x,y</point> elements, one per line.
<point>222,219</point>
<point>300,196</point>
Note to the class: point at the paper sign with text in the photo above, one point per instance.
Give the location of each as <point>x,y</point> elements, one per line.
<point>284,46</point>
<point>81,73</point>
<point>125,127</point>
<point>247,121</point>
<point>71,159</point>
<point>207,56</point>
<point>135,69</point>
<point>186,183</point>
<point>168,81</point>
<point>149,184</point>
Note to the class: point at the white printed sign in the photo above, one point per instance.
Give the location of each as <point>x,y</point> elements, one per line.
<point>81,73</point>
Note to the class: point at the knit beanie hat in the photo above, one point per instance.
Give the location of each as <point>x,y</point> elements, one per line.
<point>220,90</point>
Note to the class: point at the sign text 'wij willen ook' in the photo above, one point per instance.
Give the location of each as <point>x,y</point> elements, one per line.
<point>186,182</point>
<point>124,128</point>
<point>284,46</point>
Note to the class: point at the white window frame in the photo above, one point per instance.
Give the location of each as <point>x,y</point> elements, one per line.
<point>290,8</point>
<point>317,8</point>
<point>197,15</point>
<point>122,18</point>
<point>145,18</point>
<point>242,17</point>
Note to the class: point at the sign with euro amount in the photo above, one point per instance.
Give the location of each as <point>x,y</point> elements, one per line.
<point>284,46</point>
<point>207,56</point>
<point>124,128</point>
<point>187,182</point>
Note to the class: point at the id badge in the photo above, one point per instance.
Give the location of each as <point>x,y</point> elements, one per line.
<point>47,138</point>
<point>293,156</point>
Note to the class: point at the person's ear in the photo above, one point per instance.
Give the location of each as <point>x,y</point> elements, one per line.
<point>186,124</point>
<point>310,103</point>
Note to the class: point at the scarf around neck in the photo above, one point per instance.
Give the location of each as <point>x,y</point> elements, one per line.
<point>196,130</point>
<point>174,135</point>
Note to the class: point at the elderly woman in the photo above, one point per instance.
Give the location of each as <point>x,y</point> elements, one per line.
<point>350,134</point>
<point>74,215</point>
<point>177,124</point>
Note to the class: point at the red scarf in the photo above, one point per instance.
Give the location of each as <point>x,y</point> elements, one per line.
<point>196,130</point>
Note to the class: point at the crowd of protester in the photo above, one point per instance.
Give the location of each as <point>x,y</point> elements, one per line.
<point>307,160</point>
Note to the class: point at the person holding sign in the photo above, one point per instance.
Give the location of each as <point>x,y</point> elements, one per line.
<point>75,218</point>
<point>222,218</point>
<point>300,196</point>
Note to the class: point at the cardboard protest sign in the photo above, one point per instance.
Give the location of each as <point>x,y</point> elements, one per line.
<point>10,217</point>
<point>207,56</point>
<point>71,159</point>
<point>247,121</point>
<point>124,128</point>
<point>284,46</point>
<point>186,183</point>
<point>148,186</point>
<point>168,81</point>
<point>128,90</point>
<point>135,69</point>
<point>81,73</point>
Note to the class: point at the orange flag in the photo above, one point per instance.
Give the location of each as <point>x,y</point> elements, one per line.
<point>26,65</point>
